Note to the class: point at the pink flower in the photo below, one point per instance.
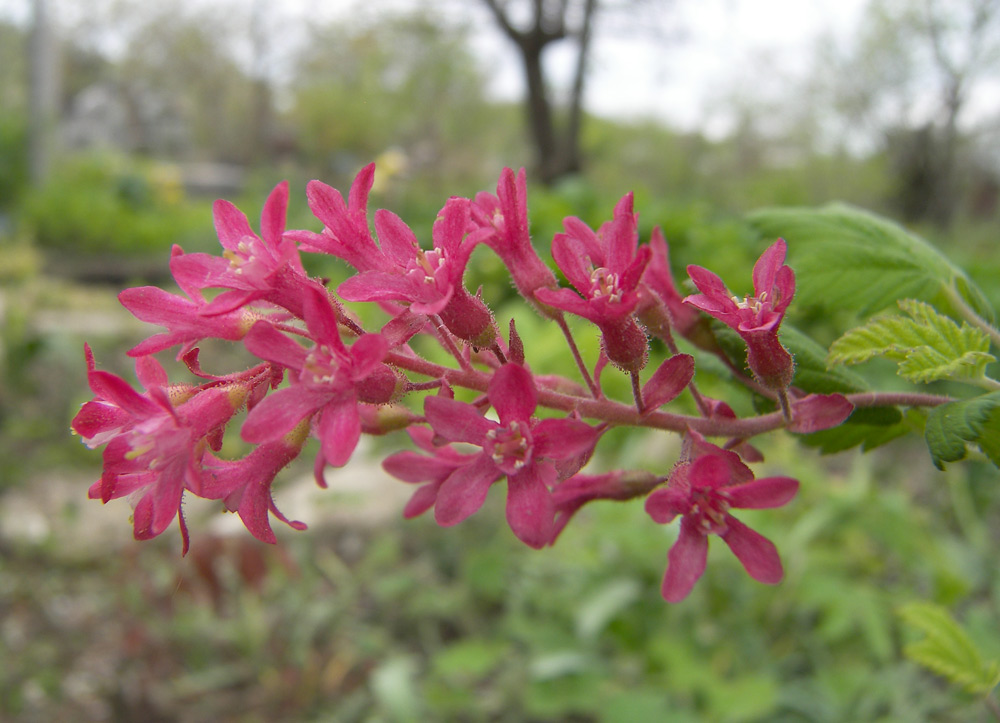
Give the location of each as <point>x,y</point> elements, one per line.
<point>661,308</point>
<point>702,491</point>
<point>345,225</point>
<point>756,318</point>
<point>431,281</point>
<point>329,379</point>
<point>253,268</point>
<point>519,447</point>
<point>184,319</point>
<point>417,468</point>
<point>505,215</point>
<point>154,445</point>
<point>605,269</point>
<point>244,485</point>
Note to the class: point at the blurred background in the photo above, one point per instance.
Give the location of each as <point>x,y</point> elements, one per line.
<point>122,120</point>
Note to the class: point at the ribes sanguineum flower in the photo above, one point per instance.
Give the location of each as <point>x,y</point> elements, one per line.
<point>244,485</point>
<point>328,379</point>
<point>155,441</point>
<point>518,447</point>
<point>429,280</point>
<point>701,490</point>
<point>605,268</point>
<point>252,268</point>
<point>184,319</point>
<point>755,318</point>
<point>505,216</point>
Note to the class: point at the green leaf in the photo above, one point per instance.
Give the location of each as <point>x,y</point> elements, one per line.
<point>928,345</point>
<point>856,260</point>
<point>947,649</point>
<point>857,433</point>
<point>812,374</point>
<point>953,425</point>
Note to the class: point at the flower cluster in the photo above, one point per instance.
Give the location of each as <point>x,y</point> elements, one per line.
<point>486,418</point>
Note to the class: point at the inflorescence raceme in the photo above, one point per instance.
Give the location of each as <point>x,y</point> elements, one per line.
<point>321,374</point>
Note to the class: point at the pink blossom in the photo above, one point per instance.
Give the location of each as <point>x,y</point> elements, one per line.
<point>605,268</point>
<point>253,268</point>
<point>185,320</point>
<point>154,445</point>
<point>756,318</point>
<point>661,307</point>
<point>244,485</point>
<point>345,225</point>
<point>417,468</point>
<point>329,379</point>
<point>431,281</point>
<point>505,215</point>
<point>517,446</point>
<point>702,490</point>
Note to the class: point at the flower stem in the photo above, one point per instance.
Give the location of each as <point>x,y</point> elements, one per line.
<point>618,413</point>
<point>594,391</point>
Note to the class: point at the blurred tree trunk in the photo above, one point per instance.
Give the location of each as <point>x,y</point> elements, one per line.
<point>43,92</point>
<point>557,146</point>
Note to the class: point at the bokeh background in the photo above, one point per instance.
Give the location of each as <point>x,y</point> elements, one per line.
<point>121,121</point>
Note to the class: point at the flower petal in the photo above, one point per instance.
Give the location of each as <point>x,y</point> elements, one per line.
<point>530,511</point>
<point>272,218</point>
<point>763,493</point>
<point>457,421</point>
<point>757,553</point>
<point>766,269</point>
<point>279,412</point>
<point>465,490</point>
<point>562,438</point>
<point>512,393</point>
<point>230,224</point>
<point>339,429</point>
<point>685,563</point>
<point>266,342</point>
<point>668,381</point>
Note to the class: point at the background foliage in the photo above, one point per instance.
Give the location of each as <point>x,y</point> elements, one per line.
<point>365,617</point>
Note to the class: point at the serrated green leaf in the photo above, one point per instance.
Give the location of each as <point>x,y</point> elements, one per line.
<point>928,345</point>
<point>859,261</point>
<point>947,649</point>
<point>953,425</point>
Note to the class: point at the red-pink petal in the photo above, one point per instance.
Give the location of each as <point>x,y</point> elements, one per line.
<point>272,217</point>
<point>464,492</point>
<point>766,269</point>
<point>421,500</point>
<point>340,430</point>
<point>367,354</point>
<point>397,239</point>
<point>668,381</point>
<point>665,503</point>
<point>230,224</point>
<point>763,493</point>
<point>457,421</point>
<point>414,468</point>
<point>512,393</point>
<point>819,411</point>
<point>562,438</point>
<point>268,343</point>
<point>279,412</point>
<point>530,511</point>
<point>757,553</point>
<point>685,563</point>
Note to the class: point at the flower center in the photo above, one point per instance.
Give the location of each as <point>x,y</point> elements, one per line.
<point>604,284</point>
<point>509,447</point>
<point>320,367</point>
<point>710,508</point>
<point>428,263</point>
